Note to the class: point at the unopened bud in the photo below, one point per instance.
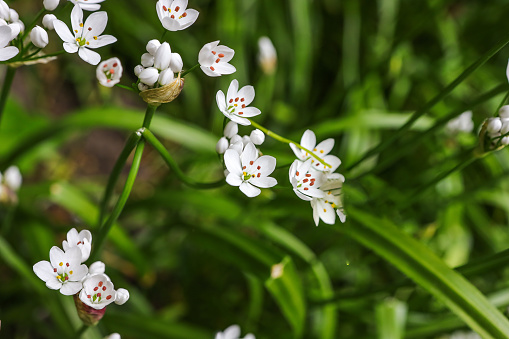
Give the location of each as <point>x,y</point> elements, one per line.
<point>503,112</point>
<point>39,37</point>
<point>122,296</point>
<point>138,69</point>
<point>505,127</point>
<point>222,145</point>
<point>47,21</point>
<point>162,58</point>
<point>176,63</point>
<point>235,139</point>
<point>152,46</point>
<point>504,141</point>
<point>165,77</point>
<point>50,5</point>
<point>267,56</point>
<point>231,129</point>
<point>97,267</point>
<point>494,125</point>
<point>149,76</point>
<point>142,86</point>
<point>147,60</point>
<point>257,137</point>
<point>13,15</point>
<point>246,140</point>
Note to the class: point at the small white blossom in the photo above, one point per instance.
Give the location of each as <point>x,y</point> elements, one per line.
<point>176,62</point>
<point>267,56</point>
<point>162,57</point>
<point>213,59</point>
<point>232,332</point>
<point>174,15</point>
<point>97,267</point>
<point>322,150</point>
<point>88,5</point>
<point>153,46</point>
<point>306,181</point>
<point>82,240</point>
<point>494,125</point>
<point>63,272</point>
<point>47,21</point>
<point>84,35</point>
<point>39,37</point>
<point>462,123</point>
<point>109,72</point>
<point>231,129</point>
<point>6,52</point>
<point>122,296</point>
<point>158,65</point>
<point>234,105</point>
<point>50,5</point>
<point>149,76</point>
<point>248,171</point>
<point>98,291</point>
<point>138,69</point>
<point>330,205</point>
<point>147,60</point>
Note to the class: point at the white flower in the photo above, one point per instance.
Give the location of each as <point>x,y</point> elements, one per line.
<point>462,123</point>
<point>96,267</point>
<point>158,65</point>
<point>174,16</point>
<point>138,69</point>
<point>147,60</point>
<point>10,183</point>
<point>234,106</point>
<point>109,72</point>
<point>6,52</point>
<point>50,5</point>
<point>85,35</point>
<point>231,129</point>
<point>257,137</point>
<point>82,240</point>
<point>152,46</point>
<point>322,150</point>
<point>162,58</point>
<point>176,62</point>
<point>47,21</point>
<point>248,171</point>
<point>494,125</point>
<point>39,37</point>
<point>64,271</point>
<point>213,59</point>
<point>222,145</point>
<point>328,207</point>
<point>98,291</point>
<point>232,332</point>
<point>267,56</point>
<point>113,336</point>
<point>122,296</point>
<point>306,181</point>
<point>149,76</point>
<point>88,5</point>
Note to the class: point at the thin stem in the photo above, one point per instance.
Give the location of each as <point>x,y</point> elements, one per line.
<point>164,34</point>
<point>189,70</point>
<point>115,173</point>
<point>149,114</point>
<point>125,87</point>
<point>152,140</point>
<point>81,331</point>
<point>439,97</point>
<point>9,77</point>
<point>502,103</point>
<point>32,24</point>
<point>34,53</point>
<point>287,141</point>
<point>44,56</point>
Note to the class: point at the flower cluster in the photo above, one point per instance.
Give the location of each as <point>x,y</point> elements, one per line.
<point>158,66</point>
<point>10,182</point>
<point>497,129</point>
<point>66,272</point>
<point>461,124</point>
<point>10,28</point>
<point>314,181</point>
<point>233,332</point>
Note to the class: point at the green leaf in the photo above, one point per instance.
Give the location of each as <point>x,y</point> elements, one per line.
<point>391,318</point>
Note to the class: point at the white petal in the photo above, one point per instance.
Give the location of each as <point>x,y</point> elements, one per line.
<point>89,56</point>
<point>73,237</point>
<point>56,256</point>
<point>63,32</point>
<point>249,155</point>
<point>233,180</point>
<point>44,270</point>
<point>302,196</point>
<point>8,52</point>
<point>5,35</point>
<point>70,47</point>
<point>308,140</point>
<point>263,182</point>
<point>76,20</point>
<point>232,91</point>
<point>232,332</point>
<point>316,215</point>
<point>101,41</point>
<point>221,100</point>
<point>248,93</point>
<point>78,273</point>
<point>171,24</point>
<point>248,112</point>
<point>95,25</point>
<point>249,190</point>
<point>266,163</point>
<point>326,212</point>
<point>341,215</point>
<point>238,120</point>
<point>232,162</point>
<point>54,284</point>
<point>324,147</point>
<point>191,17</point>
<point>224,68</point>
<point>205,55</point>
<point>209,72</point>
<point>71,287</point>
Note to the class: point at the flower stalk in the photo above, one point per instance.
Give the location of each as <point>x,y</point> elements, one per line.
<point>6,88</point>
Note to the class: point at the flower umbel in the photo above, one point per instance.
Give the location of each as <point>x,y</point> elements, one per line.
<point>235,105</point>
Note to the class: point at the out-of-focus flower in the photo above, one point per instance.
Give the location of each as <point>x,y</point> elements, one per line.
<point>113,336</point>
<point>84,35</point>
<point>330,205</point>
<point>222,145</point>
<point>235,105</point>
<point>6,52</point>
<point>267,56</point>
<point>47,21</point>
<point>322,150</point>
<point>82,240</point>
<point>232,332</point>
<point>64,271</point>
<point>109,72</point>
<point>213,59</point>
<point>50,5</point>
<point>39,37</point>
<point>174,15</point>
<point>248,171</point>
<point>88,5</point>
<point>462,123</point>
<point>10,182</point>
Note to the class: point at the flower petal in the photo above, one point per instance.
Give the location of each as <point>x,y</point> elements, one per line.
<point>5,35</point>
<point>70,47</point>
<point>191,17</point>
<point>89,56</point>
<point>232,162</point>
<point>233,180</point>
<point>326,212</point>
<point>57,256</point>
<point>101,41</point>
<point>249,190</point>
<point>308,140</point>
<point>248,93</point>
<point>249,156</point>
<point>224,68</point>
<point>78,273</point>
<point>63,32</point>
<point>182,4</point>
<point>248,112</point>
<point>171,24</point>
<point>232,91</point>
<point>221,100</point>
<point>95,25</point>
<point>238,120</point>
<point>263,182</point>
<point>266,163</point>
<point>8,52</point>
<point>324,147</point>
<point>44,270</point>
<point>71,287</point>
<point>76,20</point>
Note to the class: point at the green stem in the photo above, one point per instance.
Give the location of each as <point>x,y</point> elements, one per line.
<point>9,77</point>
<point>152,140</point>
<point>287,141</point>
<point>149,114</point>
<point>32,24</point>
<point>439,97</point>
<point>43,56</point>
<point>115,173</point>
<point>125,87</point>
<point>502,103</point>
<point>81,331</point>
<point>164,34</point>
<point>189,70</point>
<point>34,53</point>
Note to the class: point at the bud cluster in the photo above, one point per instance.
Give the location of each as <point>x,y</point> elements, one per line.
<point>497,129</point>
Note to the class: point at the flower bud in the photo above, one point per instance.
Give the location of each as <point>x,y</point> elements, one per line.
<point>47,21</point>
<point>147,60</point>
<point>113,336</point>
<point>138,69</point>
<point>13,15</point>
<point>246,140</point>
<point>257,137</point>
<point>149,76</point>
<point>504,112</point>
<point>152,46</point>
<point>122,296</point>
<point>231,129</point>
<point>222,145</point>
<point>13,178</point>
<point>39,37</point>
<point>235,139</point>
<point>142,86</point>
<point>97,267</point>
<point>165,77</point>
<point>162,58</point>
<point>50,5</point>
<point>504,141</point>
<point>15,29</point>
<point>505,127</point>
<point>176,63</point>
<point>494,125</point>
<point>267,56</point>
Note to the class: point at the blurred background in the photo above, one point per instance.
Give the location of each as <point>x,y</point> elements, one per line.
<point>197,261</point>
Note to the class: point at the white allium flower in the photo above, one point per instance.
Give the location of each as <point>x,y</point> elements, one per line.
<point>12,178</point>
<point>231,129</point>
<point>98,291</point>
<point>462,123</point>
<point>122,296</point>
<point>39,37</point>
<point>158,65</point>
<point>306,181</point>
<point>88,5</point>
<point>82,240</point>
<point>328,207</point>
<point>113,336</point>
<point>267,56</point>
<point>222,145</point>
<point>84,35</point>
<point>232,332</point>
<point>234,105</point>
<point>174,15</point>
<point>50,5</point>
<point>109,72</point>
<point>322,150</point>
<point>47,21</point>
<point>64,271</point>
<point>248,171</point>
<point>6,52</point>
<point>213,59</point>
<point>257,137</point>
<point>97,267</point>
